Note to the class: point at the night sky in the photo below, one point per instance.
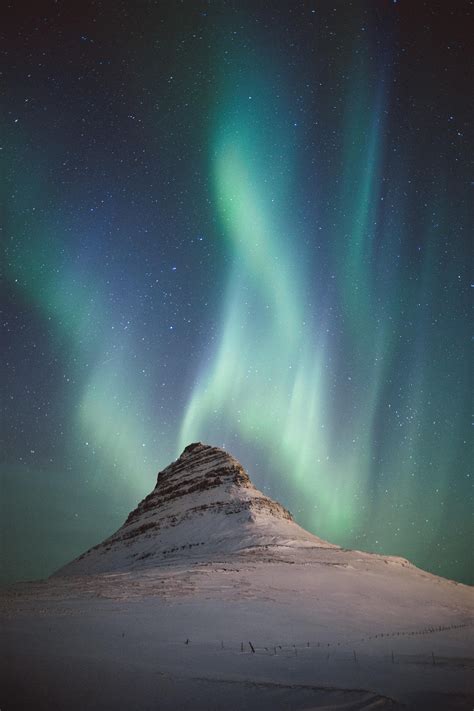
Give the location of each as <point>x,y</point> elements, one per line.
<point>245,223</point>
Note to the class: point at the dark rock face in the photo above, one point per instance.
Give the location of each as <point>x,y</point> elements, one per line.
<point>204,500</point>
<point>199,469</point>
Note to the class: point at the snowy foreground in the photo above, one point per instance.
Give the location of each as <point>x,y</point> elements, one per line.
<point>331,629</point>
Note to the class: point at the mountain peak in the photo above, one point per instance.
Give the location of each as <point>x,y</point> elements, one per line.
<point>204,504</point>
<point>200,467</point>
<point>193,446</point>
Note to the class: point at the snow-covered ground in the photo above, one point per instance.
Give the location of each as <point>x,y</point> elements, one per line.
<point>330,629</point>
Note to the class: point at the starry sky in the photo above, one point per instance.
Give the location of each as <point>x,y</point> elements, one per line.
<point>245,223</point>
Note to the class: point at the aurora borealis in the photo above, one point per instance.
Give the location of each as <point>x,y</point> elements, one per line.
<point>245,224</point>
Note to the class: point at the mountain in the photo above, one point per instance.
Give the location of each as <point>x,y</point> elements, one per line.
<point>203,504</point>
<point>210,596</point>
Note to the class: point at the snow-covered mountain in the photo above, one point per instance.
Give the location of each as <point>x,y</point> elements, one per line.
<point>210,596</point>
<point>203,504</point>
